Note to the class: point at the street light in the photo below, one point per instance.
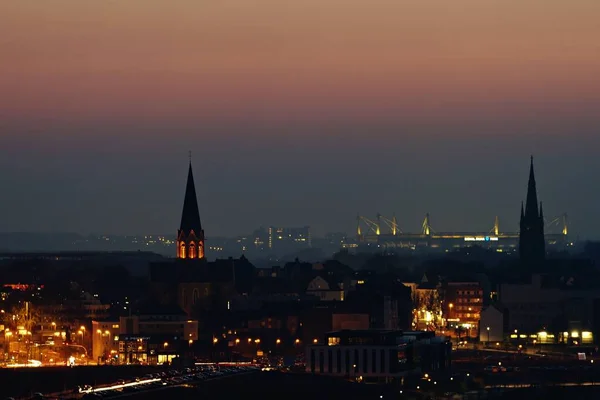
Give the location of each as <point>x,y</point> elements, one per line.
<point>488,333</point>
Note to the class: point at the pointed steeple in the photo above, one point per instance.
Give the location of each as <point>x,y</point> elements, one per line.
<point>190,217</point>
<point>532,241</point>
<point>190,236</point>
<point>522,212</point>
<point>531,205</point>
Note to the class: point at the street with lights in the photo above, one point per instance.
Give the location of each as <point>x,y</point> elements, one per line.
<point>146,384</point>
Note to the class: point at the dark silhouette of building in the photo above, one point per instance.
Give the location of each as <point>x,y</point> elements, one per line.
<point>531,236</point>
<point>190,236</point>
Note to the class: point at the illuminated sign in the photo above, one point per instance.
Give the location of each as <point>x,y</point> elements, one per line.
<point>481,238</point>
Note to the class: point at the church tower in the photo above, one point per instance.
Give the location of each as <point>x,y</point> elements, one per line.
<point>190,236</point>
<point>532,244</point>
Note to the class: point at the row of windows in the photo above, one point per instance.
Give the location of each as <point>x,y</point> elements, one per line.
<point>469,292</point>
<point>354,362</point>
<point>468,315</point>
<point>473,300</point>
<point>467,308</point>
<point>190,251</point>
<point>162,326</point>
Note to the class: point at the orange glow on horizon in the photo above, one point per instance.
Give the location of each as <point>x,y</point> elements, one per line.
<point>311,60</point>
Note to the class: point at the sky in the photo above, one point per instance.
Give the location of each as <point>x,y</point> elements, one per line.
<point>296,113</point>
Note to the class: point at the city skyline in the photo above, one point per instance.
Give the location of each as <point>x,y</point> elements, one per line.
<point>297,114</point>
<point>190,206</point>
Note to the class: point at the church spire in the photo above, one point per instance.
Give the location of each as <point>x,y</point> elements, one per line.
<point>532,242</point>
<point>190,217</point>
<point>531,205</point>
<point>522,213</point>
<point>190,236</point>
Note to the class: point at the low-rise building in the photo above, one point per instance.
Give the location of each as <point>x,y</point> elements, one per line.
<point>373,355</point>
<point>559,307</point>
<point>463,301</point>
<point>493,324</point>
<point>105,337</point>
<point>153,336</point>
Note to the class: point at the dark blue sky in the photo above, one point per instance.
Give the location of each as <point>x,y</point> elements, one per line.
<point>292,174</point>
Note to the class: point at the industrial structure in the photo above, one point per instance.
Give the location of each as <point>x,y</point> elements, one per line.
<point>385,232</point>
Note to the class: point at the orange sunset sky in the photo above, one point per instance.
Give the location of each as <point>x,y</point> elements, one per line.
<point>307,59</point>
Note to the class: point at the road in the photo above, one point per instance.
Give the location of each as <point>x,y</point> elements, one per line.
<point>529,385</point>
<point>170,387</point>
<point>159,381</point>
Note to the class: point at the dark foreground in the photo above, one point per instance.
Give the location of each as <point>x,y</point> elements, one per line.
<point>21,382</point>
<point>550,393</point>
<point>269,385</point>
<point>289,386</point>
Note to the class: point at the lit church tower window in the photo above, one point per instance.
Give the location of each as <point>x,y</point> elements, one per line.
<point>190,236</point>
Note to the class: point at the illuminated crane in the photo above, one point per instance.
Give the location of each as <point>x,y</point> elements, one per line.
<point>392,224</point>
<point>426,227</point>
<point>558,221</point>
<point>372,225</point>
<point>496,229</point>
